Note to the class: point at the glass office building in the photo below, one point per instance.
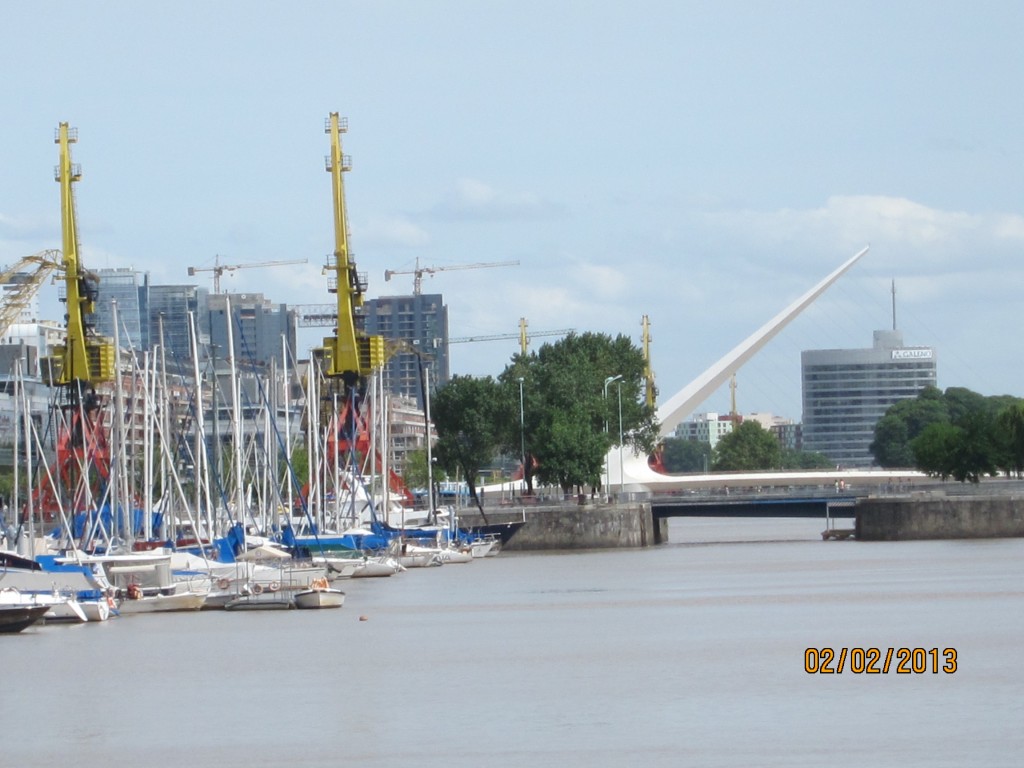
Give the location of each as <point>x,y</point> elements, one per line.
<point>846,392</point>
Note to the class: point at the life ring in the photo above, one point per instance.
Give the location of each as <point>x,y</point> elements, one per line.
<point>257,589</point>
<point>274,586</point>
<point>223,584</point>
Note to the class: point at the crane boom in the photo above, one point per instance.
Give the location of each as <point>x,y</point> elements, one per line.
<point>523,336</point>
<point>219,269</point>
<point>21,281</point>
<point>418,272</point>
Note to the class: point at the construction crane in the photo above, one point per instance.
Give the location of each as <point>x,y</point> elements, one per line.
<point>419,272</point>
<point>650,390</point>
<point>21,281</point>
<point>219,269</point>
<point>524,338</point>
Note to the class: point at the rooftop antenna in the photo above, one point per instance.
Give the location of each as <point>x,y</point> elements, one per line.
<point>894,303</point>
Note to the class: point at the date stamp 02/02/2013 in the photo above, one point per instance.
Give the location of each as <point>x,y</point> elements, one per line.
<point>880,661</point>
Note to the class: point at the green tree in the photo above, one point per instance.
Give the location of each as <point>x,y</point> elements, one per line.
<point>570,416</point>
<point>416,472</point>
<point>934,449</point>
<point>467,413</point>
<point>891,446</point>
<point>679,455</point>
<point>791,459</point>
<point>903,422</point>
<point>966,451</point>
<point>749,447</point>
<point>1011,426</point>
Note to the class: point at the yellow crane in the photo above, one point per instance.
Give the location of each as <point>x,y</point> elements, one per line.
<point>21,281</point>
<point>650,391</point>
<point>85,358</point>
<point>219,269</point>
<point>418,272</point>
<point>350,354</point>
<point>523,336</point>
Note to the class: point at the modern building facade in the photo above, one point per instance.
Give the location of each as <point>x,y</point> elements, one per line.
<point>846,392</point>
<point>168,318</point>
<point>705,428</point>
<point>130,291</point>
<point>419,325</point>
<point>257,329</point>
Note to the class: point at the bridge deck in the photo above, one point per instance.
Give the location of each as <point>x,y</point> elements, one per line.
<point>755,505</point>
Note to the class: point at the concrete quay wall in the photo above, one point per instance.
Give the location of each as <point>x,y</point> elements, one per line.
<point>579,526</point>
<point>939,517</point>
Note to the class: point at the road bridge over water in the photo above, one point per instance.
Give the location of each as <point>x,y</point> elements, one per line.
<point>801,502</point>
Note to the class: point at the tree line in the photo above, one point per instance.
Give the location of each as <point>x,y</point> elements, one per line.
<point>956,434</point>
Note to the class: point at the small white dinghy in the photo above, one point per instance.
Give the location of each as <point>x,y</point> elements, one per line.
<point>319,595</point>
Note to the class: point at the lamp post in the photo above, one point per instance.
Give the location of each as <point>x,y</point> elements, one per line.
<point>522,431</point>
<point>620,438</point>
<point>607,470</point>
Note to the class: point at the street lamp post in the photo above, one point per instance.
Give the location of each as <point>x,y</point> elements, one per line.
<point>620,439</point>
<point>607,469</point>
<point>522,430</point>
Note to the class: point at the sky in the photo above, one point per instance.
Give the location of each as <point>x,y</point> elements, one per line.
<point>700,163</point>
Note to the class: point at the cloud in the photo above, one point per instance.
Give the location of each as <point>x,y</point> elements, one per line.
<point>473,199</point>
<point>393,231</point>
<point>28,228</point>
<point>912,235</point>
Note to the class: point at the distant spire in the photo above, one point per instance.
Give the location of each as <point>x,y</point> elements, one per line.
<point>894,303</point>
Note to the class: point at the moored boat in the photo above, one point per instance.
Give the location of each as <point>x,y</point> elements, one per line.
<point>14,618</point>
<point>18,611</point>
<point>319,595</point>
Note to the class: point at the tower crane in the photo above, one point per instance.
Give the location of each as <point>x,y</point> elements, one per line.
<point>523,336</point>
<point>418,272</point>
<point>219,269</point>
<point>21,281</point>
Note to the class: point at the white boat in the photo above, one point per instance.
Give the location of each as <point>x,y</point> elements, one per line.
<point>483,548</point>
<point>319,595</point>
<point>265,601</point>
<point>157,603</point>
<point>443,555</point>
<point>97,610</point>
<point>145,584</point>
<point>64,608</point>
<point>69,579</point>
<point>339,567</point>
<point>378,567</point>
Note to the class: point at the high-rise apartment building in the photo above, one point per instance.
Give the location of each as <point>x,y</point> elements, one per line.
<point>420,325</point>
<point>846,392</point>
<point>257,329</point>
